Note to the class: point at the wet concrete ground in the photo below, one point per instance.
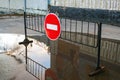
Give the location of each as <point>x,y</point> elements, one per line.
<point>10,69</point>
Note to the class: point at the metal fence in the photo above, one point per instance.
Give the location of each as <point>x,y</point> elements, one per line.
<point>80,31</point>
<point>36,69</point>
<point>68,26</point>
<point>110,50</point>
<point>79,28</point>
<point>35,22</point>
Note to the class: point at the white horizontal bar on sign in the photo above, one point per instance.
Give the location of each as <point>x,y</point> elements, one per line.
<point>52,27</point>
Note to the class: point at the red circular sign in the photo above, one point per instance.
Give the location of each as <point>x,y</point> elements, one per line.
<point>52,26</point>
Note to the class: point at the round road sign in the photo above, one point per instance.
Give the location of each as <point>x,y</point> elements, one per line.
<point>52,26</point>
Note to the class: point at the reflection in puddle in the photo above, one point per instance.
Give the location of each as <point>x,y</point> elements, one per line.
<point>37,51</point>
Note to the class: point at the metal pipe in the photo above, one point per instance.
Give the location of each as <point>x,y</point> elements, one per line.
<point>99,44</point>
<point>25,28</point>
<point>25,19</point>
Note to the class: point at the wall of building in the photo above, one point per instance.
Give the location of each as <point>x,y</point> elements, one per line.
<point>94,4</point>
<point>19,4</point>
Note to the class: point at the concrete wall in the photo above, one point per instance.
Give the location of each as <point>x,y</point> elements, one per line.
<point>19,4</point>
<point>94,4</point>
<point>73,61</point>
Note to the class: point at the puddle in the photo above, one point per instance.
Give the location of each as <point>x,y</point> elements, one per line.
<point>37,51</point>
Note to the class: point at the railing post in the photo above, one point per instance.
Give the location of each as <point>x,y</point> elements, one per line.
<point>25,19</point>
<point>99,44</point>
<point>25,31</point>
<point>99,69</point>
<point>26,41</point>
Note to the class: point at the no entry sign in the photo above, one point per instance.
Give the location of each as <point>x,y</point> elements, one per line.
<point>52,26</point>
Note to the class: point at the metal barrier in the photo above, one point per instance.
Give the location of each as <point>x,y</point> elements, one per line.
<point>72,26</point>
<point>68,26</point>
<point>79,28</point>
<point>36,69</point>
<point>110,50</point>
<point>35,22</point>
<point>82,27</point>
<point>32,22</point>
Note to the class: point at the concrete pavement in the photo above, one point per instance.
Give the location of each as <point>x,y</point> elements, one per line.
<point>10,69</point>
